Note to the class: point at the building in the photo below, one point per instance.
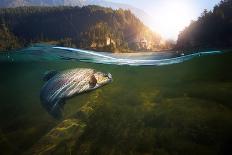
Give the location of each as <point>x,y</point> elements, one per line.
<point>99,44</point>
<point>143,43</point>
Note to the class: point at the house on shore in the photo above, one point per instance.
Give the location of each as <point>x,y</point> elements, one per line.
<point>141,44</point>
<point>103,43</point>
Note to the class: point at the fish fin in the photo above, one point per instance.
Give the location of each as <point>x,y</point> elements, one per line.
<point>92,81</point>
<point>57,109</point>
<point>49,74</point>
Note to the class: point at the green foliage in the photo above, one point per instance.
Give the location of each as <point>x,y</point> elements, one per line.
<point>7,40</point>
<point>101,36</point>
<point>82,26</point>
<point>212,30</point>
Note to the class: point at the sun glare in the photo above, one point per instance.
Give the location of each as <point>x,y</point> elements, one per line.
<point>170,18</point>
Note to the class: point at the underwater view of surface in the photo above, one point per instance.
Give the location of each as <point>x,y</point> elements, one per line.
<point>158,103</point>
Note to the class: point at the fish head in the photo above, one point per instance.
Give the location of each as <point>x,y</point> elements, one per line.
<point>102,78</point>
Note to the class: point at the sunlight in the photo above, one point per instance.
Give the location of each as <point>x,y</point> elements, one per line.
<point>170,18</point>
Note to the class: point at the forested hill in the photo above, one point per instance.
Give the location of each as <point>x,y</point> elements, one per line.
<point>145,18</point>
<point>17,3</point>
<point>86,27</point>
<point>212,30</point>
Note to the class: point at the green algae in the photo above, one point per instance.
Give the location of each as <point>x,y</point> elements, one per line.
<point>59,137</point>
<point>62,138</point>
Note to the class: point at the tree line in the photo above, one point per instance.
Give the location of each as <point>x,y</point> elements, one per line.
<point>212,30</point>
<point>74,26</point>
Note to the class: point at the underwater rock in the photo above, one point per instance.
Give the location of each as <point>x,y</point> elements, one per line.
<point>62,138</point>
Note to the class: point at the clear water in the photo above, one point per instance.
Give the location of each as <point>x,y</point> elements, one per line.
<point>182,106</point>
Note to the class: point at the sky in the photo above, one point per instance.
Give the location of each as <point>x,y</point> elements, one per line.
<point>169,17</point>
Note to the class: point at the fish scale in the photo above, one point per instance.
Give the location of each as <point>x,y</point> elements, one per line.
<point>77,77</point>
<point>68,83</point>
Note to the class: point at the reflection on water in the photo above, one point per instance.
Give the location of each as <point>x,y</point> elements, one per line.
<point>42,52</point>
<point>182,108</point>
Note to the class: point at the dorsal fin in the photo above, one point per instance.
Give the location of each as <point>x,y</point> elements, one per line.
<point>49,74</point>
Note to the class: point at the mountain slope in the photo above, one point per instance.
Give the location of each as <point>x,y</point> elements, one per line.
<point>16,3</point>
<point>65,24</point>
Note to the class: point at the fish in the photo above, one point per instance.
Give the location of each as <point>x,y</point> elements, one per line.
<point>60,86</point>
